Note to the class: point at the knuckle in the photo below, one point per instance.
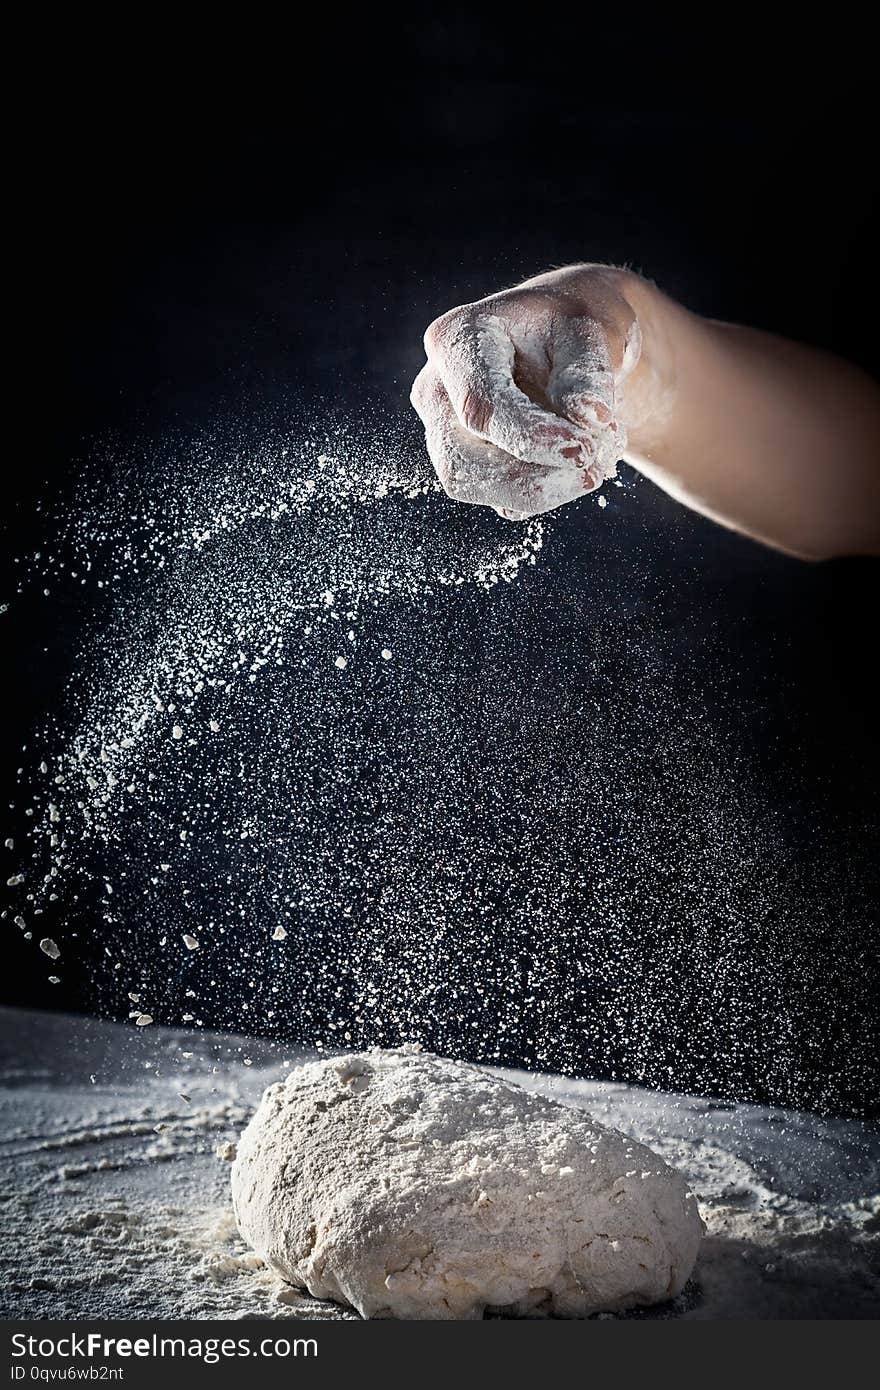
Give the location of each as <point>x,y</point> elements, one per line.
<point>443,329</point>
<point>437,332</point>
<point>451,485</point>
<point>448,485</point>
<point>420,393</point>
<point>445,473</point>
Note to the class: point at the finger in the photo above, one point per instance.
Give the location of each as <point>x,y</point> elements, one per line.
<point>474,356</point>
<point>582,387</point>
<point>472,470</point>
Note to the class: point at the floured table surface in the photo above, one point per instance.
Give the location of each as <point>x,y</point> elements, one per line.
<point>115,1199</point>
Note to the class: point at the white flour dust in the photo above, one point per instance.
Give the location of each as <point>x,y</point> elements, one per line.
<point>278,570</point>
<point>220,565</point>
<point>337,759</point>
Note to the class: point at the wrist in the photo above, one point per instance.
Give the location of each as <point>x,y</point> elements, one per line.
<point>646,384</point>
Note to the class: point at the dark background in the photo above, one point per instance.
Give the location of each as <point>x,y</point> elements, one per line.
<point>200,229</point>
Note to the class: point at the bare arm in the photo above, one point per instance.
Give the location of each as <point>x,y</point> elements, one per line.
<point>530,396</point>
<point>767,436</point>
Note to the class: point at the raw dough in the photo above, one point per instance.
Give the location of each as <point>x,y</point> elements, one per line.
<point>409,1186</point>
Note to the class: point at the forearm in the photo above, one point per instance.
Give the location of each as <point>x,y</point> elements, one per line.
<point>769,437</point>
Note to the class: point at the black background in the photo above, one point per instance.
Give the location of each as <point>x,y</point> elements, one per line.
<point>200,227</point>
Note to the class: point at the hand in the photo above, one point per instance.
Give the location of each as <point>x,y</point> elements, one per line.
<point>522,393</point>
<point>530,397</point>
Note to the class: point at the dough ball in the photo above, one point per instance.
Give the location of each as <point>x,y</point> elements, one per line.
<point>407,1186</point>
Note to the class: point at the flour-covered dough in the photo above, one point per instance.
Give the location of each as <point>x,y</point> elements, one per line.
<point>408,1186</point>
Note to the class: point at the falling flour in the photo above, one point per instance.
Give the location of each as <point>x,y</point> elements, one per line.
<point>236,566</point>
<point>408,1186</point>
<point>404,772</point>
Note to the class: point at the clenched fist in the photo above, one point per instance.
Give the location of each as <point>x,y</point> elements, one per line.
<point>529,397</point>
<point>524,394</point>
